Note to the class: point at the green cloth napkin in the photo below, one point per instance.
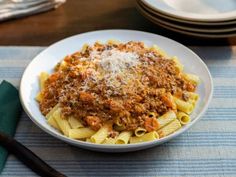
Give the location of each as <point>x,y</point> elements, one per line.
<point>10,109</point>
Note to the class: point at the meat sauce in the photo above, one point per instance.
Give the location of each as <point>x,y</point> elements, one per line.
<point>88,87</point>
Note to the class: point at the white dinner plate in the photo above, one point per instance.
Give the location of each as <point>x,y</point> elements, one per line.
<point>186,21</point>
<point>196,10</point>
<point>183,29</point>
<point>187,27</point>
<point>47,59</point>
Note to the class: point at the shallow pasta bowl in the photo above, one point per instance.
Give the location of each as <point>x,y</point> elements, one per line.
<point>47,59</point>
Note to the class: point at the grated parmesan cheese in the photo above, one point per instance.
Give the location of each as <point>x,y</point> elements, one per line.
<point>112,67</point>
<point>116,61</point>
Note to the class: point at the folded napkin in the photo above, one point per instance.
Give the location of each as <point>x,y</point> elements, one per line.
<point>20,8</point>
<point>10,109</point>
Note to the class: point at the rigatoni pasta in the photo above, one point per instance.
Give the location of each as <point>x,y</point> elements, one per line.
<point>170,128</point>
<point>109,141</point>
<point>146,137</point>
<point>192,78</point>
<point>100,135</point>
<point>81,133</point>
<point>183,118</point>
<point>51,120</point>
<point>140,131</point>
<point>123,137</point>
<point>184,105</point>
<point>118,93</point>
<point>43,77</point>
<point>62,123</point>
<point>178,64</point>
<point>74,123</point>
<point>166,118</point>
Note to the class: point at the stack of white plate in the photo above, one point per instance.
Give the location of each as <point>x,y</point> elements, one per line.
<point>201,18</point>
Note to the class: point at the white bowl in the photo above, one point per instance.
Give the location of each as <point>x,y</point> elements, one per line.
<point>48,58</point>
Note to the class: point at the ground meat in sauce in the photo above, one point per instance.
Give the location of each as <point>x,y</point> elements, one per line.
<point>83,95</point>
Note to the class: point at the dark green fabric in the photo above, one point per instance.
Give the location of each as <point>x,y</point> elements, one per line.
<point>10,109</point>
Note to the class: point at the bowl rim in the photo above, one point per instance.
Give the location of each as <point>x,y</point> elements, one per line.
<point>116,146</point>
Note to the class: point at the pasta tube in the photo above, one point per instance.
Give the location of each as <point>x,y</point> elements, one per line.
<point>84,48</point>
<point>123,137</point>
<point>193,96</point>
<point>109,141</point>
<point>152,114</point>
<point>74,123</point>
<point>42,78</point>
<point>118,121</point>
<point>53,122</point>
<point>147,137</point>
<point>62,65</point>
<point>193,102</point>
<point>192,78</point>
<point>100,135</point>
<point>183,117</point>
<point>166,118</point>
<point>113,41</point>
<point>62,123</point>
<point>178,64</point>
<point>80,133</point>
<point>52,111</point>
<point>140,131</point>
<point>39,97</point>
<point>159,51</point>
<point>183,105</point>
<point>119,128</point>
<point>170,128</point>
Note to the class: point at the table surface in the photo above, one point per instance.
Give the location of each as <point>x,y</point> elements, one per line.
<point>208,149</point>
<point>78,16</point>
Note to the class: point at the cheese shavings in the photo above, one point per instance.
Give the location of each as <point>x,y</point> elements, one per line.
<point>116,61</point>
<point>114,69</point>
